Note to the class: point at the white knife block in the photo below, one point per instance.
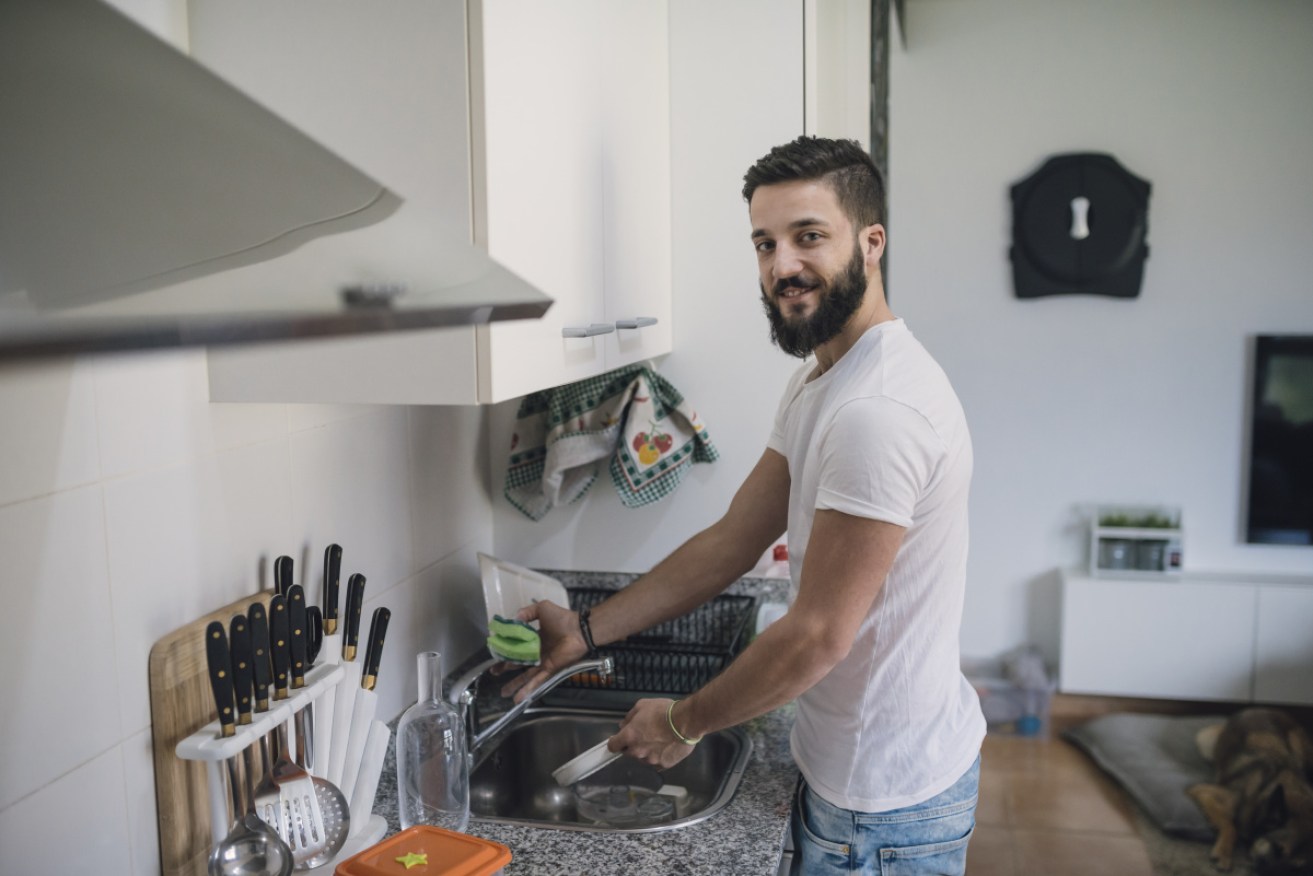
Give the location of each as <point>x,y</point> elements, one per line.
<point>207,745</point>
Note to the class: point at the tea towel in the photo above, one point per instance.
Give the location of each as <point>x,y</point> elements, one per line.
<point>631,416</point>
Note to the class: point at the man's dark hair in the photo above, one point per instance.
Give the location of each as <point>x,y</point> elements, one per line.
<point>842,164</point>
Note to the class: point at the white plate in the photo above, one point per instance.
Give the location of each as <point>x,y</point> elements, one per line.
<point>507,588</point>
<point>583,766</point>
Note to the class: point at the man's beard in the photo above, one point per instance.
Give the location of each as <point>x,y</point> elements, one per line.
<point>838,300</point>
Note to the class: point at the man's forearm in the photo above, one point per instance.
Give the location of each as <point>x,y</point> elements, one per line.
<point>783,662</point>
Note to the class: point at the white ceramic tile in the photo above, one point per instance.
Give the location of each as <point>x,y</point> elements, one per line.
<point>303,417</point>
<point>448,476</point>
<point>76,824</point>
<point>349,486</point>
<point>48,430</point>
<point>59,689</point>
<point>154,410</point>
<point>440,609</point>
<point>143,819</point>
<point>184,541</point>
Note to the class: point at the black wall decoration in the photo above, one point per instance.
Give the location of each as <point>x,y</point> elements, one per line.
<point>1079,226</point>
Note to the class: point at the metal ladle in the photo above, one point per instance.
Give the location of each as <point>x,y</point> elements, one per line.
<point>251,848</point>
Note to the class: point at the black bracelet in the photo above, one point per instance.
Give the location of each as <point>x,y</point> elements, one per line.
<point>586,630</point>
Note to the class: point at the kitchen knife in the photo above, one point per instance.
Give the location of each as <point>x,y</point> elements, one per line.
<point>378,627</point>
<point>221,683</point>
<point>366,701</point>
<point>297,635</point>
<point>355,598</point>
<point>282,575</point>
<point>344,702</point>
<point>239,643</point>
<point>314,633</point>
<point>261,674</point>
<point>279,637</point>
<point>332,575</point>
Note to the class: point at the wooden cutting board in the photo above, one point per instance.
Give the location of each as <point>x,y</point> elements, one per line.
<point>180,704</point>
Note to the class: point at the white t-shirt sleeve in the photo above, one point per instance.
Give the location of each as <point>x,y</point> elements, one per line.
<point>877,458</point>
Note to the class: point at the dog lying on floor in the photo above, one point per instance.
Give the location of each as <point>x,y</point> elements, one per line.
<point>1262,793</point>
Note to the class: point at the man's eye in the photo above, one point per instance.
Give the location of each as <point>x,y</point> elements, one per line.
<point>810,236</point>
<point>765,245</point>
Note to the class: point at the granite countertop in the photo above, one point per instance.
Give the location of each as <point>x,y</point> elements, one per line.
<point>744,838</point>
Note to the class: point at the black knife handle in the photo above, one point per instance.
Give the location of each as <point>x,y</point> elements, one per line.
<point>282,575</point>
<point>298,636</point>
<point>314,635</point>
<point>378,627</point>
<point>239,643</point>
<point>221,681</point>
<point>280,629</point>
<point>332,579</point>
<point>355,599</point>
<point>261,673</point>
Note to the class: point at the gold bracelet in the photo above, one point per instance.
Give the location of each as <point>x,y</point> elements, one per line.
<point>670,719</point>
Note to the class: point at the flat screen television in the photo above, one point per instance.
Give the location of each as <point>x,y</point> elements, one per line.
<point>1280,501</point>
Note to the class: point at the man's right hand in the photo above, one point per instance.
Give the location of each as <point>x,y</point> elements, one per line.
<point>562,645</point>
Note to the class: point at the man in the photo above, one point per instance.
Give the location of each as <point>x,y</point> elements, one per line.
<point>868,469</point>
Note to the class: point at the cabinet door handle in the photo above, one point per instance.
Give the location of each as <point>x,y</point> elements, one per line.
<point>637,322</point>
<point>587,331</point>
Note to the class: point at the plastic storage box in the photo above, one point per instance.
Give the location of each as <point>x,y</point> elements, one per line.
<point>442,852</point>
<point>1013,703</point>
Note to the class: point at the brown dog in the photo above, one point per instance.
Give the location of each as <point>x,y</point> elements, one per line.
<point>1262,794</point>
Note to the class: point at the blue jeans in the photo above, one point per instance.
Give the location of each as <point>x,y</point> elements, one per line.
<point>928,838</point>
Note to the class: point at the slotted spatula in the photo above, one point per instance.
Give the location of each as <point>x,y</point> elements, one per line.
<point>286,799</point>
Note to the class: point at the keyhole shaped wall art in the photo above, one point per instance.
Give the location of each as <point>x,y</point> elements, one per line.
<point>1080,225</point>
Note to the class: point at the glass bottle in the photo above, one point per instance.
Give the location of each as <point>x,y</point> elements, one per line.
<point>433,780</point>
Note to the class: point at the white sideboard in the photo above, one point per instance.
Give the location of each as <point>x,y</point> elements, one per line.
<point>1241,638</point>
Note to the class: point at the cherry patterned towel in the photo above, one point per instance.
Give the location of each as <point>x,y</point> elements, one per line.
<point>633,416</point>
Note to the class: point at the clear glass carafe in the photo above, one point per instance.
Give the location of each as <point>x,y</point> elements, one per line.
<point>433,779</point>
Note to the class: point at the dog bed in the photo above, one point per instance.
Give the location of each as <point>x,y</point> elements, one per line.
<point>1154,758</point>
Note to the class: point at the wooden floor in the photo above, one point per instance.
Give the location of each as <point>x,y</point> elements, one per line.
<point>1045,808</point>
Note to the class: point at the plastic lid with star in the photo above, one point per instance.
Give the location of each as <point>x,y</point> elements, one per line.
<point>428,851</point>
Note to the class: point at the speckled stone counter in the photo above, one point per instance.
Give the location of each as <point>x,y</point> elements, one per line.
<point>745,838</point>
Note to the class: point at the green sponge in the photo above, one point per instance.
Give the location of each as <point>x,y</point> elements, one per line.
<point>514,640</point>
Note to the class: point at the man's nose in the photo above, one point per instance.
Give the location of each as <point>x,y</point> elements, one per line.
<point>786,262</point>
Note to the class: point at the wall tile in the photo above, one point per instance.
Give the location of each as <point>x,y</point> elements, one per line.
<point>440,609</point>
<point>154,410</point>
<point>59,688</point>
<point>448,464</point>
<point>184,541</point>
<point>301,418</point>
<point>139,783</point>
<point>349,485</point>
<point>88,804</point>
<point>49,424</point>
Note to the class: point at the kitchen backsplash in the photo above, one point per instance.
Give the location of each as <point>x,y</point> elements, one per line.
<point>130,505</point>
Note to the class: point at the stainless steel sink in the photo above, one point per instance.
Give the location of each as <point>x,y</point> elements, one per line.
<point>513,782</point>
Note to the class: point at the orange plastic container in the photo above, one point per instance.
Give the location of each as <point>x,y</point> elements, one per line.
<point>447,854</point>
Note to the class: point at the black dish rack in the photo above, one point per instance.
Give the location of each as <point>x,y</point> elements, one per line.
<point>675,657</point>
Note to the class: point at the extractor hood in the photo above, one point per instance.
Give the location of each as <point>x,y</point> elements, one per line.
<point>145,202</point>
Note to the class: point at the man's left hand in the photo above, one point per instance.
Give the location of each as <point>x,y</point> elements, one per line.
<point>645,734</point>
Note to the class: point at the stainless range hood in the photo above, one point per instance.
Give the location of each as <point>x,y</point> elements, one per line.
<point>145,202</point>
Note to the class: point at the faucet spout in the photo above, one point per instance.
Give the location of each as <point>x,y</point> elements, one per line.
<point>604,666</point>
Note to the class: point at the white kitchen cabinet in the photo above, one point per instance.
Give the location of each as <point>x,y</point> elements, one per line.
<point>1200,637</point>
<point>1283,646</point>
<point>539,130</point>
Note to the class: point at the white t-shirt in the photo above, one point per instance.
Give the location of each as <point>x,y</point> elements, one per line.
<point>882,435</point>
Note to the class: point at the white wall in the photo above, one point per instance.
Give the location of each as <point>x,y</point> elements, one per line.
<point>736,91</point>
<point>130,506</point>
<point>1082,399</point>
<point>1071,400</point>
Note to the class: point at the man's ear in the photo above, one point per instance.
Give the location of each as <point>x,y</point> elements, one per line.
<point>872,240</point>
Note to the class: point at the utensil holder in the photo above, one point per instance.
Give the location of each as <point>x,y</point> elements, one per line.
<point>207,745</point>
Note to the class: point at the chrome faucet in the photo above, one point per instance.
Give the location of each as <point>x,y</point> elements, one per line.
<point>462,695</point>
